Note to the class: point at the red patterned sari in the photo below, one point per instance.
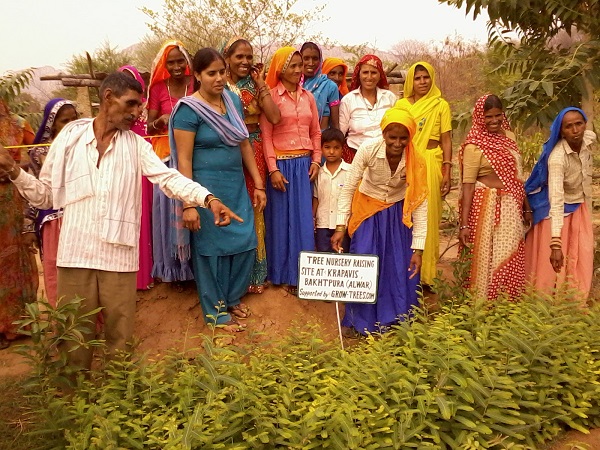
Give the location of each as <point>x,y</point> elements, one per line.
<point>496,216</point>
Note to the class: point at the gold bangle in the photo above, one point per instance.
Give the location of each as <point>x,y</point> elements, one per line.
<point>272,172</point>
<point>447,162</point>
<point>341,228</point>
<point>260,189</point>
<point>188,207</point>
<point>212,199</point>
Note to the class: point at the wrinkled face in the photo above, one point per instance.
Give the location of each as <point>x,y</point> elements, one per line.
<point>123,111</point>
<point>493,118</point>
<point>65,115</point>
<point>332,151</point>
<point>176,63</point>
<point>311,60</point>
<point>294,70</point>
<point>396,137</point>
<point>572,129</point>
<point>336,75</point>
<point>422,82</point>
<point>369,76</point>
<point>212,79</point>
<point>240,60</point>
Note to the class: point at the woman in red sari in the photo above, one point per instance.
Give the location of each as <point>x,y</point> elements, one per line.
<point>494,208</point>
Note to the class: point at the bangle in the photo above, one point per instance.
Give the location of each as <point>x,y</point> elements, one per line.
<point>447,162</point>
<point>341,228</point>
<point>314,162</point>
<point>188,207</point>
<point>272,172</point>
<point>464,227</point>
<point>211,200</point>
<point>418,251</point>
<point>528,211</point>
<point>260,189</point>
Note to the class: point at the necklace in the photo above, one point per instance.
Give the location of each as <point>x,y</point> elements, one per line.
<point>370,108</point>
<point>220,105</point>
<point>169,91</point>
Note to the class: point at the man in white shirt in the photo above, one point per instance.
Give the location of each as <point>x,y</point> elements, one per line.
<point>94,171</point>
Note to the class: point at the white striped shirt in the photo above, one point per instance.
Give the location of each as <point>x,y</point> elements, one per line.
<point>80,244</point>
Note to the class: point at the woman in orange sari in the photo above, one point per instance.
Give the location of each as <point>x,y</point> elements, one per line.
<point>18,277</point>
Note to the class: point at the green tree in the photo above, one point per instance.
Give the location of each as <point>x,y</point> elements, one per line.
<point>210,23</point>
<point>554,47</point>
<point>21,103</point>
<point>106,58</point>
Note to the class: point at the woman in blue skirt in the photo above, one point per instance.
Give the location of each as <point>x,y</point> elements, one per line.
<point>386,216</point>
<point>293,153</point>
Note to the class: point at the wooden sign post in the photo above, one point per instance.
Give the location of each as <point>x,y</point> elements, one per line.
<point>338,277</point>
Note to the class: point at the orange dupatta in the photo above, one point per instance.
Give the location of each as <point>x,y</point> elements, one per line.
<point>279,63</point>
<point>331,63</point>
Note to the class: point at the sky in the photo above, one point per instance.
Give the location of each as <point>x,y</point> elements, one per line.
<point>50,32</point>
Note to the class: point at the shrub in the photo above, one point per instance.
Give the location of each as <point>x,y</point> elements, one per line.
<point>472,376</point>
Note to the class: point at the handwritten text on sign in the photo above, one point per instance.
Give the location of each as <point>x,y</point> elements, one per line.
<point>338,277</point>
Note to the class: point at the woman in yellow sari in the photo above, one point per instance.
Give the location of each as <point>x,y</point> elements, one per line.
<point>433,141</point>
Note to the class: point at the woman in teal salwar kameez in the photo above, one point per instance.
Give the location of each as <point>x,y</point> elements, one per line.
<point>211,144</point>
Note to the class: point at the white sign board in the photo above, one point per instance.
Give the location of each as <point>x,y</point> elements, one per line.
<point>338,277</point>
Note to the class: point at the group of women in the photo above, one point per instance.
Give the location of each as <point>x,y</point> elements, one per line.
<point>254,140</point>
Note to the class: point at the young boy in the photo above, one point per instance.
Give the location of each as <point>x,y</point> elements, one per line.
<point>327,188</point>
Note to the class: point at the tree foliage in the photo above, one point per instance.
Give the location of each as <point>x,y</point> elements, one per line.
<point>12,85</point>
<point>106,58</point>
<point>210,23</point>
<point>554,47</point>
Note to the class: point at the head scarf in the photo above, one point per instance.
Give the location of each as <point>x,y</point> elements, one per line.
<point>425,110</point>
<point>498,149</point>
<point>331,63</point>
<point>374,61</point>
<point>434,91</point>
<point>159,70</point>
<point>227,45</point>
<point>279,64</point>
<point>44,133</point>
<point>320,66</point>
<point>537,183</point>
<point>416,170</point>
<point>136,74</point>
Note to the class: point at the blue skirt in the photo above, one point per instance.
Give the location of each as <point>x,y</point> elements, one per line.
<point>289,221</point>
<point>386,236</point>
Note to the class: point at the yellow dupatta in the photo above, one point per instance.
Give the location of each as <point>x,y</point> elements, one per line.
<point>424,110</point>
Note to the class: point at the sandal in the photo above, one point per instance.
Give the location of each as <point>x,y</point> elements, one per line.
<point>239,311</point>
<point>256,289</point>
<point>231,326</point>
